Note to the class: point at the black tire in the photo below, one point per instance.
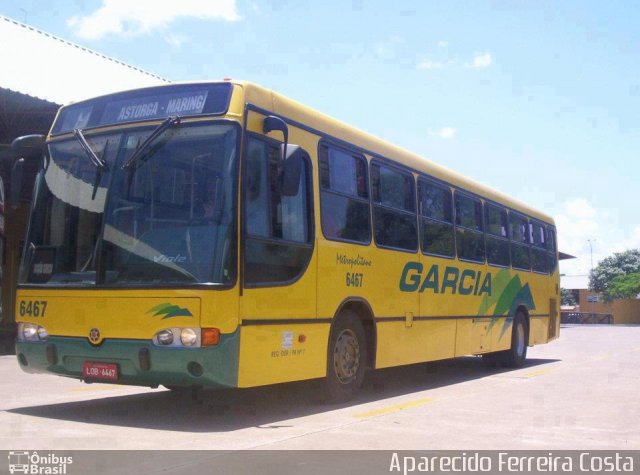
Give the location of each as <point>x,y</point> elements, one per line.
<point>515,356</point>
<point>346,357</point>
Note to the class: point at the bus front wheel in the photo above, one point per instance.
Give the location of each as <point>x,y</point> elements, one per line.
<point>346,359</point>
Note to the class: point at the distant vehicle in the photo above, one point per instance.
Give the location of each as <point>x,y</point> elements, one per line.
<point>222,235</point>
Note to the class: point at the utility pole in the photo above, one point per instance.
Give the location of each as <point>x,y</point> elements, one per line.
<point>591,241</point>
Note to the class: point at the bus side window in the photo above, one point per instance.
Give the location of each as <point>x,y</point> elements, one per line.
<point>519,227</point>
<point>497,238</point>
<point>257,209</point>
<point>394,208</point>
<point>344,195</point>
<point>539,260</point>
<point>436,219</point>
<point>551,248</point>
<point>469,228</point>
<point>278,242</point>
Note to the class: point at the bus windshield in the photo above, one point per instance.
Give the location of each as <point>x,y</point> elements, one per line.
<point>167,218</point>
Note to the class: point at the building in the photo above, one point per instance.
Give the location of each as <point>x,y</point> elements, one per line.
<point>624,311</point>
<point>40,72</point>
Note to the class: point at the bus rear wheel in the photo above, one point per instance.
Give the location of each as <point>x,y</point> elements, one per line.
<point>346,359</point>
<point>515,356</point>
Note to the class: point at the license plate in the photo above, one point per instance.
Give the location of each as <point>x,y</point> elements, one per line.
<point>100,371</point>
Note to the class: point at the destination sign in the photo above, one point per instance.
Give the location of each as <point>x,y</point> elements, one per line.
<point>145,104</point>
<point>181,103</point>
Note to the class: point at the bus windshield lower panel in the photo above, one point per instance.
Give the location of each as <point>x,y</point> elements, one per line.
<point>167,217</point>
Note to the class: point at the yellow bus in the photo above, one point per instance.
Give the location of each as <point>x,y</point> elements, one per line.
<point>222,235</point>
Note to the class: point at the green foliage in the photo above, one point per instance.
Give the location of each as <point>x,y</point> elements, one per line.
<point>624,286</point>
<point>566,297</point>
<point>621,263</point>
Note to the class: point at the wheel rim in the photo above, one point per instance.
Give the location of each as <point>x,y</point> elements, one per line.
<point>346,356</point>
<point>520,344</point>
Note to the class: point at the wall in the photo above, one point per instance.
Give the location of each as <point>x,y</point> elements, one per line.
<point>623,310</point>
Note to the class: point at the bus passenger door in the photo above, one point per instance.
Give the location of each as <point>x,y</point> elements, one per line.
<point>277,306</point>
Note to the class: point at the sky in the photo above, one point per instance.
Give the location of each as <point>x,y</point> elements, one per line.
<point>539,100</point>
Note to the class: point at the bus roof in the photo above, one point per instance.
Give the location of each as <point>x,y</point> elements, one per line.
<point>371,145</point>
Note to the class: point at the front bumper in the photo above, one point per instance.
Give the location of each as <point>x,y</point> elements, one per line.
<point>139,362</point>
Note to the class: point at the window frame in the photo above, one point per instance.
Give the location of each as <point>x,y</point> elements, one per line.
<point>272,142</point>
<point>535,222</point>
<point>553,252</point>
<point>518,243</point>
<point>422,179</point>
<point>541,250</point>
<point>358,155</point>
<point>489,235</point>
<point>469,195</point>
<point>380,161</point>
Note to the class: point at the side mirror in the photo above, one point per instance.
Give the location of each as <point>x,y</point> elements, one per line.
<point>292,169</point>
<point>29,147</point>
<point>292,156</point>
<point>272,123</point>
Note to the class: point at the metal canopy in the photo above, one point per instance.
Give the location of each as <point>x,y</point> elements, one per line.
<point>41,72</point>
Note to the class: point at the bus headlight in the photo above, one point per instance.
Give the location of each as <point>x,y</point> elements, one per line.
<point>31,332</point>
<point>165,337</point>
<point>178,337</point>
<point>188,336</point>
<point>42,334</point>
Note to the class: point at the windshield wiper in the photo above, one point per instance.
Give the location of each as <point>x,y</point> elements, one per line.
<point>97,161</point>
<point>166,124</point>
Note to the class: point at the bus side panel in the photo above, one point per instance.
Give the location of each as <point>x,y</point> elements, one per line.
<point>348,271</point>
<point>220,310</point>
<point>500,333</point>
<point>272,354</point>
<point>451,288</point>
<point>539,330</point>
<point>424,340</point>
<point>351,272</point>
<point>542,289</point>
<point>471,337</point>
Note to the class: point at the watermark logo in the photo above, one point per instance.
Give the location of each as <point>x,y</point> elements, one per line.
<point>22,461</point>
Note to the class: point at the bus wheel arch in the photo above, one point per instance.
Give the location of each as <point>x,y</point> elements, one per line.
<point>365,314</point>
<point>348,351</point>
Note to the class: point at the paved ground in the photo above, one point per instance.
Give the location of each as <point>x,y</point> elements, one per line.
<point>580,392</point>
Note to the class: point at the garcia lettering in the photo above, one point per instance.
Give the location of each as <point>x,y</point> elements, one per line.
<point>451,280</point>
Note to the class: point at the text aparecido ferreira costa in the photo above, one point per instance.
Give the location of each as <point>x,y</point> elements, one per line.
<point>512,463</point>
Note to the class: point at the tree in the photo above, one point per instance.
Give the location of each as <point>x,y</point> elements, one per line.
<point>624,286</point>
<point>567,297</point>
<point>620,264</point>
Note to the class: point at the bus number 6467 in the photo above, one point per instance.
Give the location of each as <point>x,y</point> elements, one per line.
<point>354,279</point>
<point>33,308</point>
